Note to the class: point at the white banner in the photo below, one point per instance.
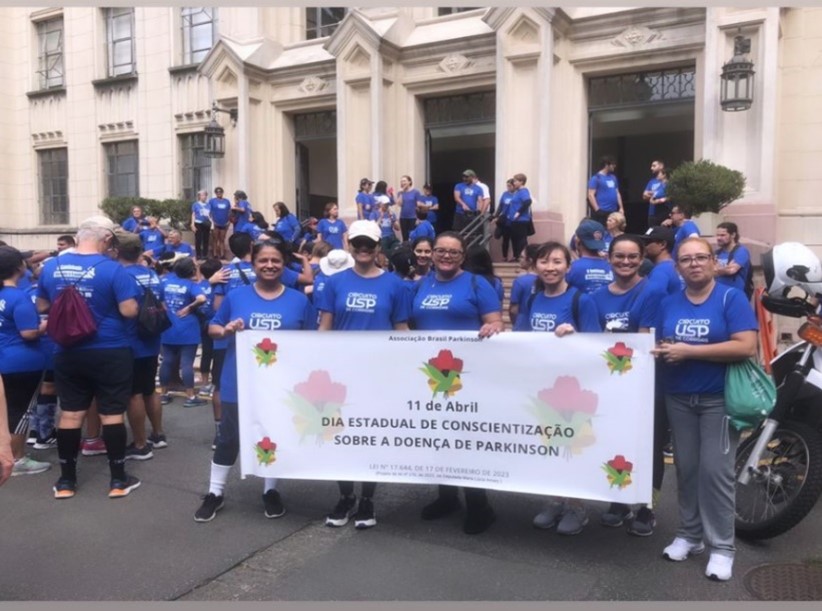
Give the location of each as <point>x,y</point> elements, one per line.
<point>525,412</point>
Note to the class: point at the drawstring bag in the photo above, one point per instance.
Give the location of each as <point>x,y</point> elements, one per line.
<point>750,394</point>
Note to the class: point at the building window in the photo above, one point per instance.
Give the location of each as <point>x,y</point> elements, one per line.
<point>321,21</point>
<point>53,170</point>
<point>195,167</point>
<point>120,41</point>
<point>199,30</point>
<point>122,169</point>
<point>451,10</point>
<point>50,53</point>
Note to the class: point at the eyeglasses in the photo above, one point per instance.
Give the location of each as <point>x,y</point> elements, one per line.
<point>621,256</point>
<point>690,260</point>
<point>441,252</point>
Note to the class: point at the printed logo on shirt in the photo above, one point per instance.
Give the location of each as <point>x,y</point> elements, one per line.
<point>543,322</point>
<point>610,184</point>
<point>693,329</point>
<point>598,275</point>
<point>617,321</point>
<point>265,322</point>
<point>333,229</point>
<point>361,302</point>
<point>73,272</point>
<point>436,302</point>
<point>2,305</point>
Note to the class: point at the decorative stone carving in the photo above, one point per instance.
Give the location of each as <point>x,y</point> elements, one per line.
<point>525,32</point>
<point>635,37</point>
<point>312,84</point>
<point>454,63</point>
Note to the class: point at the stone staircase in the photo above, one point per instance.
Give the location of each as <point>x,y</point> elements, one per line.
<point>507,272</point>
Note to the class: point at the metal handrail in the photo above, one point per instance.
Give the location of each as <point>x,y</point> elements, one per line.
<point>476,231</point>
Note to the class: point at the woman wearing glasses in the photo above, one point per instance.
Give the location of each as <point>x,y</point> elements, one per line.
<point>630,304</point>
<point>706,326</point>
<point>362,298</point>
<point>451,299</point>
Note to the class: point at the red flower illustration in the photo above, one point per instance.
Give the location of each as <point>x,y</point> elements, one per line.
<point>620,350</point>
<point>267,345</point>
<point>445,361</point>
<point>320,390</point>
<point>267,445</point>
<point>620,464</point>
<point>567,396</point>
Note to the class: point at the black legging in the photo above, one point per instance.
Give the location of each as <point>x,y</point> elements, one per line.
<point>367,489</point>
<point>475,498</point>
<point>201,235</point>
<point>519,237</point>
<point>406,227</point>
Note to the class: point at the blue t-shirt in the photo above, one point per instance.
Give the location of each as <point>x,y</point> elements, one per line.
<point>201,211</point>
<point>385,221</point>
<point>631,311</point>
<point>17,313</point>
<point>665,277</point>
<point>290,311</point>
<point>660,192</point>
<point>147,280</point>
<point>364,304</point>
<point>242,217</point>
<point>408,203</point>
<point>517,204</point>
<point>178,293</point>
<point>206,311</point>
<point>104,289</point>
<point>235,281</point>
<point>430,201</point>
<point>423,230</point>
<point>742,257</point>
<point>725,312</point>
<point>606,190</point>
<point>469,194</point>
<point>504,204</point>
<point>132,224</point>
<point>332,231</point>
<point>367,201</point>
<point>653,186</point>
<point>182,247</point>
<point>687,229</point>
<point>220,211</point>
<point>288,227</point>
<point>588,274</point>
<point>521,288</point>
<point>152,239</point>
<point>547,313</point>
<point>457,304</point>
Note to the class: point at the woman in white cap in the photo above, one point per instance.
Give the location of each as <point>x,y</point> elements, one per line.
<point>385,308</point>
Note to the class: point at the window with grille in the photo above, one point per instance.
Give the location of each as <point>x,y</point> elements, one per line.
<point>640,88</point>
<point>195,167</point>
<point>122,169</point>
<point>321,21</point>
<point>53,178</point>
<point>120,41</point>
<point>50,53</point>
<point>199,28</point>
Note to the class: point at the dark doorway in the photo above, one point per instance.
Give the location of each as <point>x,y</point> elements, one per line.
<point>638,118</point>
<point>315,137</point>
<point>460,135</point>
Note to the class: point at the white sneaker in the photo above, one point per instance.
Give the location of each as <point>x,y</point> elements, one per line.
<point>719,567</point>
<point>29,466</point>
<point>681,548</point>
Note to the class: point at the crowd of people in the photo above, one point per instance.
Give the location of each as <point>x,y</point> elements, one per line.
<point>131,278</point>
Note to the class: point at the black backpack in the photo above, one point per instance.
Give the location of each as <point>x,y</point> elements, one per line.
<point>152,318</point>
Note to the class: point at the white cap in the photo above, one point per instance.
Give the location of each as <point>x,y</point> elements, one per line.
<point>336,261</point>
<point>98,221</point>
<point>365,229</point>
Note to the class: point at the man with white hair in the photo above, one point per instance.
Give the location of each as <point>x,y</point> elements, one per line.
<point>100,365</point>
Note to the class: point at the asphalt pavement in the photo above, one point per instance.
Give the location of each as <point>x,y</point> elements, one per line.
<point>147,547</point>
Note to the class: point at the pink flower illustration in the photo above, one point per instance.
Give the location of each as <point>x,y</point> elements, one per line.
<point>566,396</point>
<point>320,390</point>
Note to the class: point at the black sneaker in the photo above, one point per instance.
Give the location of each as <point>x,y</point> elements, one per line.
<point>643,524</point>
<point>440,508</point>
<point>158,441</point>
<point>64,488</point>
<point>365,518</point>
<point>342,511</point>
<point>273,504</point>
<point>135,453</point>
<point>211,505</point>
<point>122,487</point>
<point>478,520</point>
<point>668,450</point>
<point>616,515</point>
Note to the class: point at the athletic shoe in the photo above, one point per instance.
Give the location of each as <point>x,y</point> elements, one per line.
<point>208,510</point>
<point>573,520</point>
<point>616,516</point>
<point>365,517</point>
<point>29,466</point>
<point>135,453</point>
<point>680,549</point>
<point>207,391</point>
<point>440,508</point>
<point>120,488</point>
<point>46,444</point>
<point>478,520</point>
<point>719,567</point>
<point>32,438</point>
<point>643,524</point>
<point>165,399</point>
<point>93,447</point>
<point>64,488</point>
<point>342,511</point>
<point>668,450</point>
<point>194,402</point>
<point>273,504</point>
<point>550,517</point>
<point>157,441</point>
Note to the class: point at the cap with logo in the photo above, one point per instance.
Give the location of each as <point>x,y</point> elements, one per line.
<point>591,234</point>
<point>660,234</point>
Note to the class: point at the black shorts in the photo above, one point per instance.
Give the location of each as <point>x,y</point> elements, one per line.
<point>217,367</point>
<point>82,375</point>
<point>20,387</point>
<point>145,374</point>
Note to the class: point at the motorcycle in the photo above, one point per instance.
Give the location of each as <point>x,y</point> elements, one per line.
<point>779,466</point>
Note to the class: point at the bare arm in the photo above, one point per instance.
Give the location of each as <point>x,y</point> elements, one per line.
<point>326,321</point>
<point>491,324</point>
<point>128,308</point>
<point>306,275</point>
<point>43,305</point>
<point>742,345</point>
<point>592,199</point>
<point>6,457</point>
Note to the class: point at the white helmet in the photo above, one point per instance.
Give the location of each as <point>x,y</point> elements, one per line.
<point>792,264</point>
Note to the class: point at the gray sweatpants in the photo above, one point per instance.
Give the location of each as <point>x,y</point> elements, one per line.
<point>704,450</point>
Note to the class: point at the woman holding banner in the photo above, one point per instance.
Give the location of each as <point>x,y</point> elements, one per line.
<point>362,298</point>
<point>451,299</point>
<point>557,307</point>
<point>239,310</point>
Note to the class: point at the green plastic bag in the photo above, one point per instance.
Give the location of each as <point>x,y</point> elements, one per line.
<point>750,394</point>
